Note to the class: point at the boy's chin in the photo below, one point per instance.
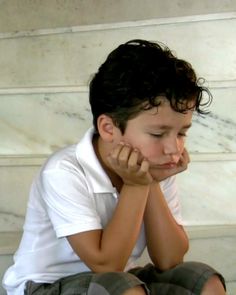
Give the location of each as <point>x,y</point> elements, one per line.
<point>161,174</point>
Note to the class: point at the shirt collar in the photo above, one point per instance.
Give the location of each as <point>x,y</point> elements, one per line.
<point>93,170</point>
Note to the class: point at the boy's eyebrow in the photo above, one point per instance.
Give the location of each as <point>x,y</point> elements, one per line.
<point>167,127</point>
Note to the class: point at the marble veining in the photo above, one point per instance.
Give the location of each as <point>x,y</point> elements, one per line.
<point>213,134</point>
<point>10,221</point>
<point>216,131</point>
<point>41,123</point>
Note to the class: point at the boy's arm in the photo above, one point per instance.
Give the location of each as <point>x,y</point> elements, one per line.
<point>109,249</point>
<point>166,240</point>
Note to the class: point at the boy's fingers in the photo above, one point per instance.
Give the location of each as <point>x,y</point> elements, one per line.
<point>184,159</point>
<point>133,160</point>
<point>124,155</point>
<point>144,168</point>
<point>144,171</point>
<point>185,156</point>
<point>188,157</point>
<point>114,155</point>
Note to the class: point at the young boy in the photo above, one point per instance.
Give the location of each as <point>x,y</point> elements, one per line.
<point>96,205</point>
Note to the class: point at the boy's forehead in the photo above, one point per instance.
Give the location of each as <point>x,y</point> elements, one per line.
<point>163,101</point>
<point>164,117</point>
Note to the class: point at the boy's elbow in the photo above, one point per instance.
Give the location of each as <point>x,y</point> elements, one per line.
<point>107,267</point>
<point>169,262</point>
<point>167,265</point>
<point>105,263</point>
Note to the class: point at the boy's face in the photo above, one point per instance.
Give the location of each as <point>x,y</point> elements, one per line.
<point>159,135</point>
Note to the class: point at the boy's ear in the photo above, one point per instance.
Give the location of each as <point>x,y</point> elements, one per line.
<point>106,128</point>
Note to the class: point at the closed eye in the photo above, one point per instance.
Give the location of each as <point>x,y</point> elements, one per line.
<point>157,135</point>
<point>182,135</point>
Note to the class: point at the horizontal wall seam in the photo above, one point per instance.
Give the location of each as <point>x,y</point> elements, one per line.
<point>220,84</point>
<point>120,25</point>
<point>45,90</point>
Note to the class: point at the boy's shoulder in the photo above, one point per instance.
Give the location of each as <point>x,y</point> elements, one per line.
<point>78,162</point>
<point>61,158</point>
<point>71,155</point>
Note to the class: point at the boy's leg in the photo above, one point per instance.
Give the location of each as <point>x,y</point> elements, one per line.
<point>80,282</point>
<point>135,291</point>
<point>213,287</point>
<point>184,279</point>
<point>114,283</point>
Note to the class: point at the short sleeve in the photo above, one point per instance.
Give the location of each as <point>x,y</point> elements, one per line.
<point>70,204</point>
<point>170,190</point>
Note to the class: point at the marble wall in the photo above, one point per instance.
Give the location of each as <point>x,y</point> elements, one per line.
<point>44,105</point>
<point>41,14</point>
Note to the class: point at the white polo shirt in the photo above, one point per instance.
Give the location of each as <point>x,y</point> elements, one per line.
<point>71,194</point>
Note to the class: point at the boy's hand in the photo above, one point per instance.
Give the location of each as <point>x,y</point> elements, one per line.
<point>181,166</point>
<point>124,162</point>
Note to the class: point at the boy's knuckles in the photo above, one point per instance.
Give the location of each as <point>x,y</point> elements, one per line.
<point>133,165</point>
<point>123,161</point>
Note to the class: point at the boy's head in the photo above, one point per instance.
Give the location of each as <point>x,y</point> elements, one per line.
<point>135,74</point>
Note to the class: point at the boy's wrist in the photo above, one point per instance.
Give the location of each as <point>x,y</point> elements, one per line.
<point>135,189</point>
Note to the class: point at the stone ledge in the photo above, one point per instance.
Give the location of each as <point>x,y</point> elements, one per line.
<point>10,240</point>
<point>198,234</point>
<point>231,288</point>
<point>211,231</point>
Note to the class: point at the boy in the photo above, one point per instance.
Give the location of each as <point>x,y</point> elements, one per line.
<point>95,206</point>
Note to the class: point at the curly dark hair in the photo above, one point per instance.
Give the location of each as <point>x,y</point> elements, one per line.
<point>135,74</point>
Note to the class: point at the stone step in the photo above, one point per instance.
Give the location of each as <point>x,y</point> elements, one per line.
<point>214,245</point>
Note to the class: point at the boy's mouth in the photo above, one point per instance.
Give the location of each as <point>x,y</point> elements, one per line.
<point>167,165</point>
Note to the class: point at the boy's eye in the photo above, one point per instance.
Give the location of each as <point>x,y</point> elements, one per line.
<point>182,134</point>
<point>158,135</point>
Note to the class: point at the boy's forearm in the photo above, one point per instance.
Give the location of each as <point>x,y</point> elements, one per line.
<point>121,234</point>
<point>166,240</point>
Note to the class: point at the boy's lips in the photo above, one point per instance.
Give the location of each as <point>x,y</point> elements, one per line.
<point>168,165</point>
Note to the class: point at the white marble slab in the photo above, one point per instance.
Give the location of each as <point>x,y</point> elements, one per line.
<point>64,13</point>
<point>15,184</point>
<point>215,132</point>
<point>211,248</point>
<point>42,123</point>
<point>220,253</point>
<point>207,192</point>
<point>70,58</point>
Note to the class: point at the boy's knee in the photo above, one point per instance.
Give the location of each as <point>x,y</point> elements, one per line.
<point>138,290</point>
<point>214,285</point>
<point>122,283</point>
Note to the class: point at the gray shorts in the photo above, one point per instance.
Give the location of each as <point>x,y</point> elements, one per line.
<point>185,279</point>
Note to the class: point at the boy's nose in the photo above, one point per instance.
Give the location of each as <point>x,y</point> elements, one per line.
<point>172,146</point>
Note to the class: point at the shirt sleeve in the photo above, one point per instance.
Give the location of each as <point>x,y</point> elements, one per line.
<point>170,190</point>
<point>70,205</point>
